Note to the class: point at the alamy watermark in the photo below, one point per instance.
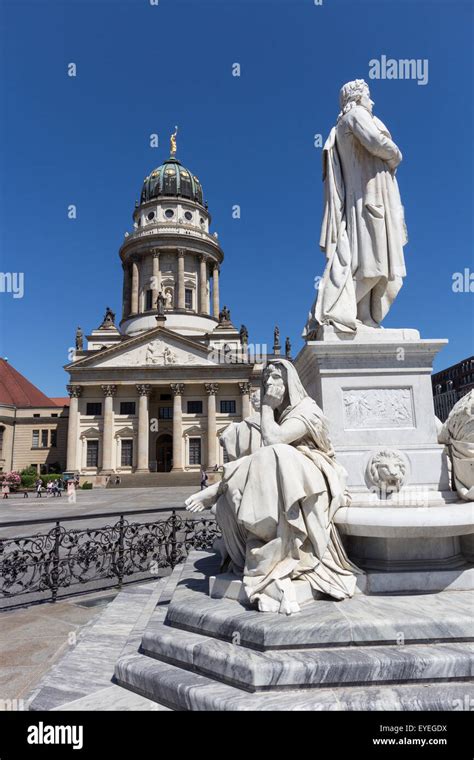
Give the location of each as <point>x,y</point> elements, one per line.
<point>12,282</point>
<point>403,68</point>
<point>463,282</point>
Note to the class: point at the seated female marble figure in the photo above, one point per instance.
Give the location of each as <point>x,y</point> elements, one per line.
<point>276,502</point>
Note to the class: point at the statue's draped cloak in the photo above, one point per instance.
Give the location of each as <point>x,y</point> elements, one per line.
<point>276,511</point>
<point>457,434</point>
<point>363,229</point>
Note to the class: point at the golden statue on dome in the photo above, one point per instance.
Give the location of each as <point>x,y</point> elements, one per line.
<point>173,143</point>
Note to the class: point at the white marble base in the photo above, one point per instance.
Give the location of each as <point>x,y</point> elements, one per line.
<point>327,333</point>
<point>228,586</point>
<point>375,389</point>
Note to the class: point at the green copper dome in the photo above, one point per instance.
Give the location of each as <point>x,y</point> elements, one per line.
<point>171,179</point>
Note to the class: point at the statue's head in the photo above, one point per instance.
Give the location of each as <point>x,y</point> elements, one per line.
<point>275,380</point>
<point>281,377</point>
<point>355,93</point>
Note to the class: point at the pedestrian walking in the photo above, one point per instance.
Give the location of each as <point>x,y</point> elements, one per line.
<point>203,478</point>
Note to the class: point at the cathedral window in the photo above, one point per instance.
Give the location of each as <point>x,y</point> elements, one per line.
<point>188,298</point>
<point>227,407</point>
<point>92,458</point>
<point>126,455</point>
<point>94,408</point>
<point>194,451</point>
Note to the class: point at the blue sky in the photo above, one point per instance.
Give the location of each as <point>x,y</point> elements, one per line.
<point>142,69</point>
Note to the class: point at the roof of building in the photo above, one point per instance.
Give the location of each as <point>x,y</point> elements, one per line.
<point>171,179</point>
<point>16,390</point>
<point>61,400</point>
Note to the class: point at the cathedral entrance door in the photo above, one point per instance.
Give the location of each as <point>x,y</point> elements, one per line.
<point>164,453</point>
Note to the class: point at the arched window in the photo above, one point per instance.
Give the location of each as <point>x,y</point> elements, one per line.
<point>169,182</point>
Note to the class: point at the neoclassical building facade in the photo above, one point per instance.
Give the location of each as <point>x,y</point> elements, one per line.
<point>153,393</point>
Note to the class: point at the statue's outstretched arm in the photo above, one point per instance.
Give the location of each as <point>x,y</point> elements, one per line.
<point>363,127</point>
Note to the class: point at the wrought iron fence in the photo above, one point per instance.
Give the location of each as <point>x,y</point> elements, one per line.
<point>44,565</point>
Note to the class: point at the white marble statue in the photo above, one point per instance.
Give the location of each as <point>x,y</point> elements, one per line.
<point>277,499</point>
<point>363,230</point>
<point>457,434</point>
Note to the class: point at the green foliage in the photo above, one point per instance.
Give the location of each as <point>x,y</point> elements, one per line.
<point>86,486</point>
<point>28,477</point>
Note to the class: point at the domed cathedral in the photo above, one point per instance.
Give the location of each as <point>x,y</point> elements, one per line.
<point>151,393</point>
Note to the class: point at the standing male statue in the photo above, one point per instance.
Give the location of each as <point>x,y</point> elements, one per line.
<point>79,339</point>
<point>363,230</point>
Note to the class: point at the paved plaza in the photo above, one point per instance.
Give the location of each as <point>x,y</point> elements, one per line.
<point>99,500</point>
<point>33,638</point>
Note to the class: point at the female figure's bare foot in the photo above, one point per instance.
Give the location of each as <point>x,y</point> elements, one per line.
<point>204,499</point>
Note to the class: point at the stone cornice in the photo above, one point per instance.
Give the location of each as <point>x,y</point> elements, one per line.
<point>163,375</point>
<point>167,240</point>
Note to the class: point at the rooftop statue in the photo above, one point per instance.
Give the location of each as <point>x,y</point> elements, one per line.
<point>173,143</point>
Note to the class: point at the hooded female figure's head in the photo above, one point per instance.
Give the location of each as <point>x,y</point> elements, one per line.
<point>281,376</point>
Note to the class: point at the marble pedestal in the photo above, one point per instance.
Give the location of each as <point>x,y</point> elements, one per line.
<point>375,389</point>
<point>367,653</point>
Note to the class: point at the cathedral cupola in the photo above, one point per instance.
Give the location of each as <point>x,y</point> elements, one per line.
<point>171,251</point>
<point>171,179</point>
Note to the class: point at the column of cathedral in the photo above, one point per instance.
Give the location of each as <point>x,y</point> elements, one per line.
<point>144,391</point>
<point>109,392</point>
<point>215,291</point>
<point>245,394</point>
<point>156,277</point>
<point>135,286</point>
<point>203,307</point>
<point>75,391</point>
<point>177,390</point>
<point>181,299</point>
<point>211,390</point>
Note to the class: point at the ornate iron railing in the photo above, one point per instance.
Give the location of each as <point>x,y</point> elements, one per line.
<point>61,560</point>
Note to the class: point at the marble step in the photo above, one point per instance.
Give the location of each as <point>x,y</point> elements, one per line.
<point>87,669</point>
<point>181,689</point>
<point>363,620</point>
<point>336,666</point>
<point>88,666</point>
<point>113,698</point>
<point>155,607</point>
